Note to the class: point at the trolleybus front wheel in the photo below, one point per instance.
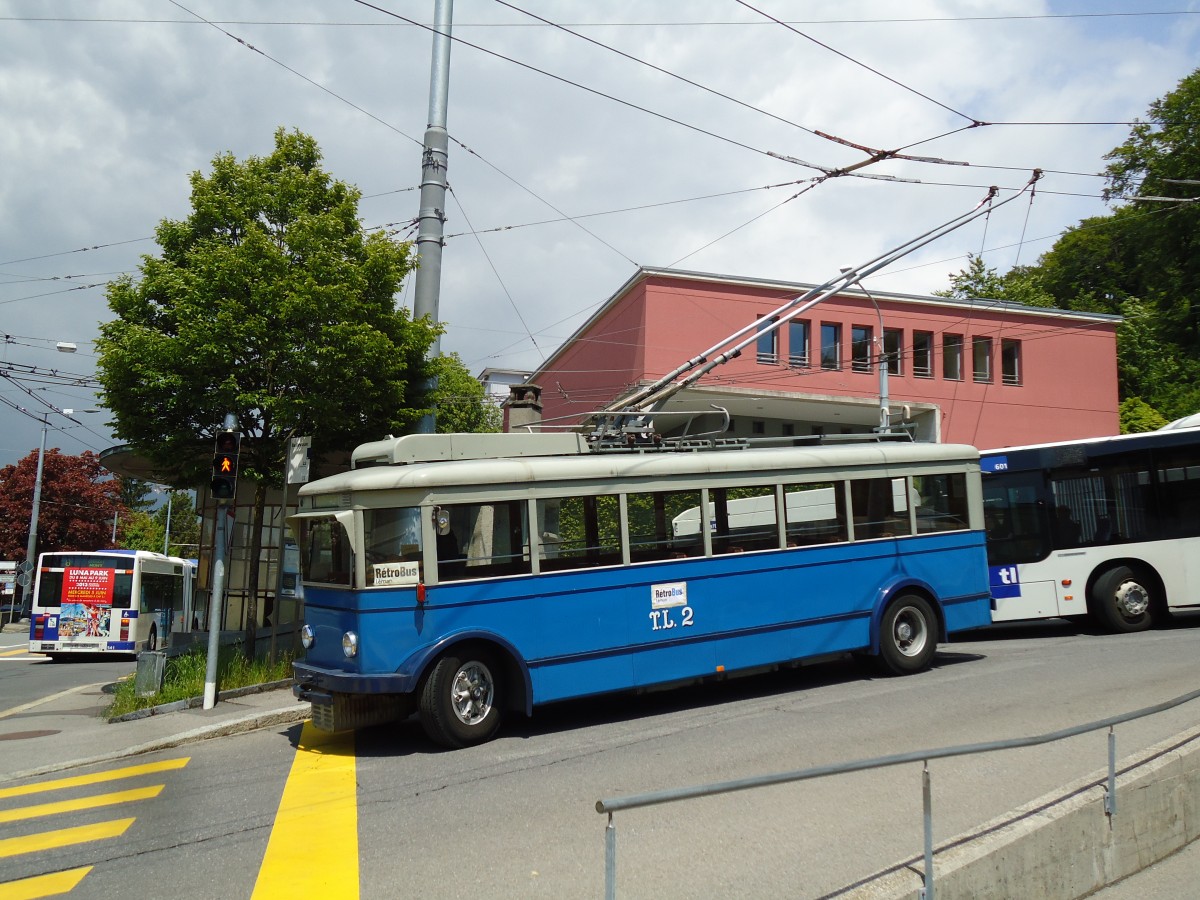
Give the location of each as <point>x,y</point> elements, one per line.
<point>907,635</point>
<point>1121,600</point>
<point>460,701</point>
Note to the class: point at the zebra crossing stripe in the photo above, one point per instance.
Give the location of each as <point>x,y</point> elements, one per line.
<point>63,837</point>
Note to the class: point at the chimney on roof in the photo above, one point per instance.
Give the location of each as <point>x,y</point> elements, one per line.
<point>523,408</point>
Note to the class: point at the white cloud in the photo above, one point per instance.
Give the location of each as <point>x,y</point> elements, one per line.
<point>104,122</point>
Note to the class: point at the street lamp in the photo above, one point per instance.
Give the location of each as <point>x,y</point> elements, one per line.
<point>31,544</point>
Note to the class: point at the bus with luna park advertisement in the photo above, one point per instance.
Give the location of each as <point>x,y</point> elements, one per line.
<point>109,601</point>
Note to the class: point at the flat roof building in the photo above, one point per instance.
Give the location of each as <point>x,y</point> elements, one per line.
<point>980,372</point>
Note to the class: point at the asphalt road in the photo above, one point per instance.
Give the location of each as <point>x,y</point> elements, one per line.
<point>516,817</point>
<point>23,680</point>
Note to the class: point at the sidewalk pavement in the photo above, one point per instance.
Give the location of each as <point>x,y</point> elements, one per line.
<point>66,730</point>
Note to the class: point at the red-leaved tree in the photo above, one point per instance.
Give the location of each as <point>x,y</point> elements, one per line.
<point>76,510</point>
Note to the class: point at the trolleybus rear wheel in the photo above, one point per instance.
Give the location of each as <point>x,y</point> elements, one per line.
<point>152,639</point>
<point>907,635</point>
<point>460,701</point>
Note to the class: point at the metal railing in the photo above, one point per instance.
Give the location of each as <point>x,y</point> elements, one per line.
<point>657,798</point>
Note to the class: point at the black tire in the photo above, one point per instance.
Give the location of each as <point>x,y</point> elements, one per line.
<point>460,700</point>
<point>1121,600</point>
<point>152,639</point>
<point>907,636</point>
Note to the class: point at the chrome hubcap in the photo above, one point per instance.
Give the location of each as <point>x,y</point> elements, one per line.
<point>910,632</point>
<point>472,693</point>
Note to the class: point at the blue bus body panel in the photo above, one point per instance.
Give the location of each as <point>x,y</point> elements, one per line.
<point>588,631</point>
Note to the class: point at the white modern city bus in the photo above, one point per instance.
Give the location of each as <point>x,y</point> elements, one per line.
<point>1107,527</point>
<point>109,601</point>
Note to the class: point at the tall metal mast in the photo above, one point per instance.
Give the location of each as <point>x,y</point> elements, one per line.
<point>432,215</point>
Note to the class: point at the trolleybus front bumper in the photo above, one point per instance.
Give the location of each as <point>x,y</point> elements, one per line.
<point>342,701</point>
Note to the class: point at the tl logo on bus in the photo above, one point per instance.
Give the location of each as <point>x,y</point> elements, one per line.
<point>1005,581</point>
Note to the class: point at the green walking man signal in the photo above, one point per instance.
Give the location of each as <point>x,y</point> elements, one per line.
<point>225,465</point>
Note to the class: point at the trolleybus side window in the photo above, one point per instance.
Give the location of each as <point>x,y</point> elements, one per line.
<point>578,532</point>
<point>392,535</point>
<point>325,551</point>
<point>651,531</point>
<point>484,540</point>
<point>743,519</point>
<point>880,507</point>
<point>942,502</point>
<point>815,513</point>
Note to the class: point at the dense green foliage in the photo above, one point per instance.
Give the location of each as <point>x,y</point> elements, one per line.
<point>1142,261</point>
<point>142,530</point>
<point>268,301</point>
<point>459,400</point>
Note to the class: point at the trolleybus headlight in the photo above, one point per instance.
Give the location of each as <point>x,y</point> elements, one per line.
<point>307,637</point>
<point>350,643</point>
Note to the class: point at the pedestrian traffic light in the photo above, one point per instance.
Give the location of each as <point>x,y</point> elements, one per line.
<point>225,465</point>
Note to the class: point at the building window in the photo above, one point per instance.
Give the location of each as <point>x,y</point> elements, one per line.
<point>923,354</point>
<point>789,430</point>
<point>981,359</point>
<point>768,341</point>
<point>831,345</point>
<point>893,350</point>
<point>860,348</point>
<point>798,344</point>
<point>1010,361</point>
<point>952,358</point>
<point>758,428</point>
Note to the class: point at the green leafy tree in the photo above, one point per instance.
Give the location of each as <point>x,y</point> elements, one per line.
<point>137,530</point>
<point>1138,416</point>
<point>142,530</point>
<point>134,493</point>
<point>183,538</point>
<point>271,302</point>
<point>460,401</point>
<point>979,281</point>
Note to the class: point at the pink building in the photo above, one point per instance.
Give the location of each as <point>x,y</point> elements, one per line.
<point>981,372</point>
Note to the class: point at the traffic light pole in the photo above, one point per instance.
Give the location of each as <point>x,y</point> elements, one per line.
<point>226,488</point>
<point>215,610</point>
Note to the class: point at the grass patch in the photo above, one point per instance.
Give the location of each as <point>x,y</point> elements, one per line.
<point>184,677</point>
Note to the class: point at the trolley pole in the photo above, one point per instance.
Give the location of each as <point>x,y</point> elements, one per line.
<point>432,215</point>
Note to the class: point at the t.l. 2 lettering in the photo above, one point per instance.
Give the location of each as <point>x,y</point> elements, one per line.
<point>661,619</point>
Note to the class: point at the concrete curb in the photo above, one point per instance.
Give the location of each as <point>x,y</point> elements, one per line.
<point>1063,846</point>
<point>196,702</point>
<point>286,715</point>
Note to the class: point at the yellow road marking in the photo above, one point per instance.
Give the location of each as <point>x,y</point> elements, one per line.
<point>50,809</point>
<point>63,837</point>
<point>23,650</point>
<point>43,885</point>
<point>165,765</point>
<point>313,848</point>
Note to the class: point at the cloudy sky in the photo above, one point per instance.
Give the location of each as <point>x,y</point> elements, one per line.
<point>587,139</point>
